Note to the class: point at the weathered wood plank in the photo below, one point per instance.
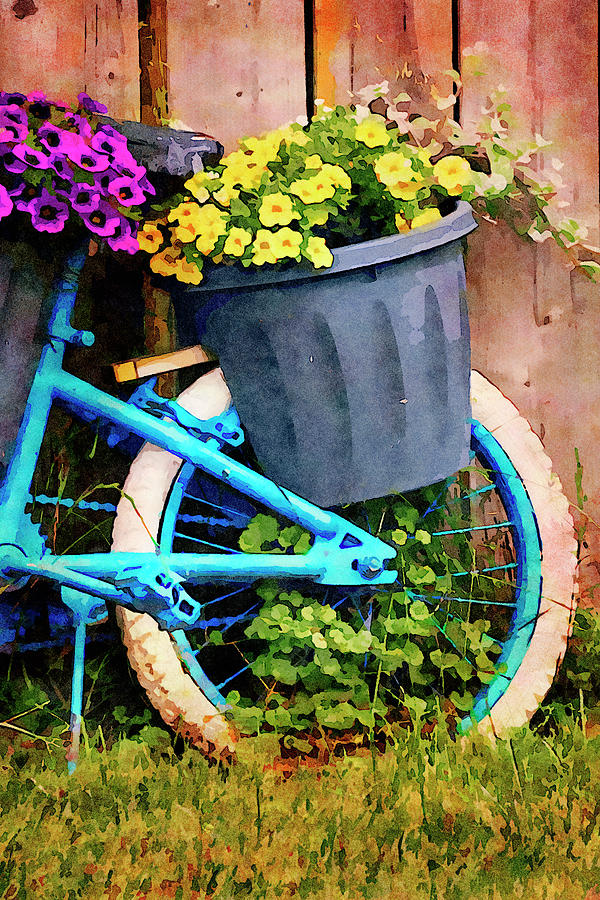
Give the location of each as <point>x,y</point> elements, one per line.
<point>75,45</point>
<point>154,71</point>
<point>535,328</point>
<point>236,68</point>
<point>358,44</point>
<point>42,47</point>
<point>110,61</point>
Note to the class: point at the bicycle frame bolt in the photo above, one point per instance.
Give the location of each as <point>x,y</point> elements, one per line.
<point>370,568</point>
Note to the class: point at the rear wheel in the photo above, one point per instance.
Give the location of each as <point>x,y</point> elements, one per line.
<point>497,609</point>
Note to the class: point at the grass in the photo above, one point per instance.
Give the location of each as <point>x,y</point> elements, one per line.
<point>146,817</point>
<point>427,818</point>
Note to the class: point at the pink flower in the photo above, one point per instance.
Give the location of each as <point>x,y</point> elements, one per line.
<point>34,158</point>
<point>6,203</point>
<point>86,158</point>
<point>127,191</point>
<point>124,237</point>
<point>103,220</point>
<point>47,212</point>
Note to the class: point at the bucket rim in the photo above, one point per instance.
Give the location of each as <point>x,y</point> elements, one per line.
<point>391,248</point>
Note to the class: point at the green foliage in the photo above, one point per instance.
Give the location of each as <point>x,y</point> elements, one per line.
<point>364,660</point>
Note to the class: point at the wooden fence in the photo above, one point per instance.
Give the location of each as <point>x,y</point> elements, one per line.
<point>234,67</point>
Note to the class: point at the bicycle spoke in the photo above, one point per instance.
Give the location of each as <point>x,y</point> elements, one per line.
<point>188,537</point>
<point>427,597</point>
<point>472,528</point>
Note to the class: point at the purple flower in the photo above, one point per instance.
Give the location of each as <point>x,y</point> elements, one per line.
<point>91,105</point>
<point>81,123</point>
<point>56,138</point>
<point>18,99</point>
<point>13,164</point>
<point>6,203</point>
<point>47,213</point>
<point>123,160</point>
<point>124,237</point>
<point>113,133</point>
<point>13,120</point>
<point>63,187</point>
<point>147,186</point>
<point>103,220</point>
<point>86,158</point>
<point>35,159</point>
<point>15,186</point>
<point>35,96</point>
<point>84,199</point>
<point>107,143</point>
<point>127,191</point>
<point>61,167</point>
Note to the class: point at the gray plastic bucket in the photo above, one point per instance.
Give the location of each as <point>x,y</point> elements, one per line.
<point>351,382</point>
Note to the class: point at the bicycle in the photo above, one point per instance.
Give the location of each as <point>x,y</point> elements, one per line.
<point>189,498</point>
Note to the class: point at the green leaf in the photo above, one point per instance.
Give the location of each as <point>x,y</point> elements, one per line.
<point>262,529</point>
<point>590,266</point>
<point>237,207</point>
<point>406,516</point>
<point>419,610</point>
<point>216,638</point>
<point>420,574</point>
<point>413,653</point>
<point>282,670</point>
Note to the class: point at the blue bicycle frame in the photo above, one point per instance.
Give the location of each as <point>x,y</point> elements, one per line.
<point>341,553</point>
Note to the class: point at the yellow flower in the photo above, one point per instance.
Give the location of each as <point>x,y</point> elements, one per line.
<point>263,148</point>
<point>199,183</point>
<point>210,224</point>
<point>223,196</point>
<point>401,223</point>
<point>405,190</point>
<point>237,241</point>
<point>337,175</point>
<point>199,192</point>
<point>149,238</point>
<point>372,132</point>
<point>453,173</point>
<point>276,209</point>
<point>187,272</point>
<point>318,253</point>
<point>263,248</point>
<point>186,217</point>
<point>244,169</point>
<point>313,161</point>
<point>314,189</point>
<point>396,172</point>
<point>165,262</point>
<point>427,217</point>
<point>286,243</point>
<point>392,168</point>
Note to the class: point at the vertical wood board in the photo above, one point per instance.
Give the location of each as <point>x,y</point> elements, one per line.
<point>535,326</point>
<point>357,44</point>
<point>235,68</point>
<point>72,46</point>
